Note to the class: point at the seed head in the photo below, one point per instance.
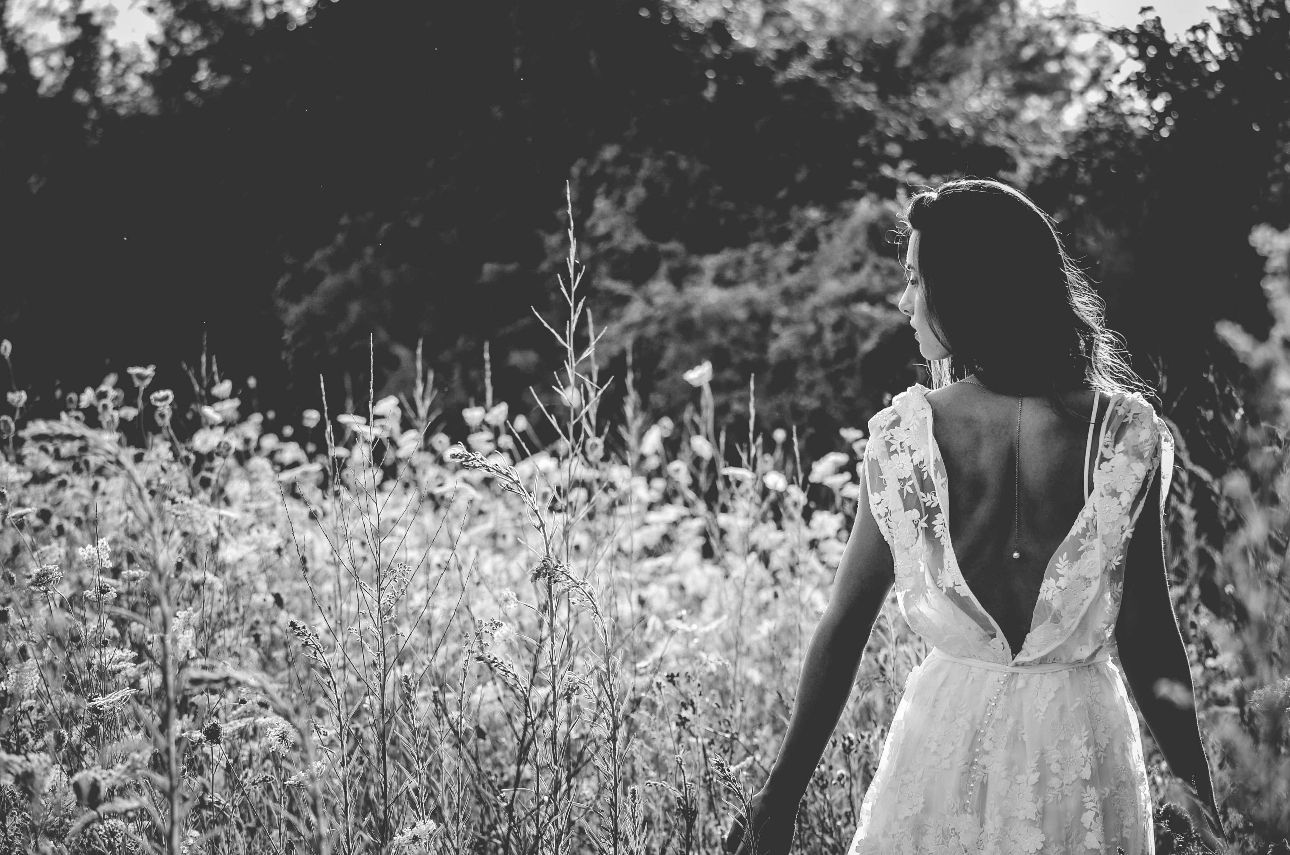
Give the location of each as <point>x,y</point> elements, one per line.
<point>45,578</point>
<point>213,732</point>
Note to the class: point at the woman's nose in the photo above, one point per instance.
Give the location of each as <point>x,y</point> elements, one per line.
<point>906,303</point>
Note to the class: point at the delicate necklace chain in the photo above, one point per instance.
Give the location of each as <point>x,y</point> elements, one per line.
<point>1016,494</point>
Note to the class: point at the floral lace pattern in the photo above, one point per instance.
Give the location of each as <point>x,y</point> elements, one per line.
<point>1034,754</point>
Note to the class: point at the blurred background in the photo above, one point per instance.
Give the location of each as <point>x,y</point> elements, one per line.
<point>274,182</point>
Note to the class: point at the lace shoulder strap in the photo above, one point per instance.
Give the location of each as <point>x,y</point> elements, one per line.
<point>896,467</point>
<point>1136,443</point>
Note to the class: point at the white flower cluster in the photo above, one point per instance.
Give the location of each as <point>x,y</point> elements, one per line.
<point>97,555</point>
<point>416,837</point>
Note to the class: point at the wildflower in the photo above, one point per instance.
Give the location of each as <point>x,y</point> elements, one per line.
<point>699,375</point>
<point>775,481</point>
<point>6,348</point>
<point>826,466</point>
<point>102,593</point>
<point>594,449</point>
<point>305,776</point>
<point>520,423</point>
<point>481,441</point>
<point>737,473</point>
<point>409,442</point>
<point>182,634</point>
<point>206,439</point>
<point>779,435</point>
<point>163,398</point>
<point>129,414</point>
<point>473,416</point>
<point>17,400</point>
<point>700,446</point>
<point>679,472</point>
<point>227,409</point>
<point>23,681</point>
<point>416,836</point>
<point>142,375</point>
<point>45,578</point>
<point>497,415</point>
<point>456,454</point>
<point>211,416</point>
<point>851,434</point>
<point>162,416</point>
<point>309,418</point>
<point>351,420</point>
<point>222,389</point>
<point>652,441</point>
<point>281,735</point>
<point>6,427</point>
<point>97,555</point>
<point>386,408</point>
<point>572,397</point>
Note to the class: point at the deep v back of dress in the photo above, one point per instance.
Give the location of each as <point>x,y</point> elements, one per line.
<point>991,516</point>
<point>1029,747</point>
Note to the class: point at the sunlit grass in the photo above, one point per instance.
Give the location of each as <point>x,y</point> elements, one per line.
<point>357,636</point>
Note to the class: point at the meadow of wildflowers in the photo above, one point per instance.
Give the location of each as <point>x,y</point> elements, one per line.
<point>355,635</point>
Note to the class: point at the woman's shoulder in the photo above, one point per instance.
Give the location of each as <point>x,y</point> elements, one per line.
<point>903,412</point>
<point>1138,425</point>
<point>1134,408</point>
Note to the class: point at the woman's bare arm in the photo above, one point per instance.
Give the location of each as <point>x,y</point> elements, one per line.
<point>865,575</point>
<point>1155,659</point>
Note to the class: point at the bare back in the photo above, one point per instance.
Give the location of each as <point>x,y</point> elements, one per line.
<point>976,431</point>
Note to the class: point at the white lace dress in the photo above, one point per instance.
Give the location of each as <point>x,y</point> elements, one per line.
<point>993,754</point>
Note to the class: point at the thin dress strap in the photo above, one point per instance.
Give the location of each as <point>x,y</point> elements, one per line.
<point>1088,446</point>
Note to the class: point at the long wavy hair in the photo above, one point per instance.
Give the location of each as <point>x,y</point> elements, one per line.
<point>1007,301</point>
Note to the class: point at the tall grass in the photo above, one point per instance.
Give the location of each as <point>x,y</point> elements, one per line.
<point>354,635</point>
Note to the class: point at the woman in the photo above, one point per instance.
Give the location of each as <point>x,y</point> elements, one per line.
<point>1005,509</point>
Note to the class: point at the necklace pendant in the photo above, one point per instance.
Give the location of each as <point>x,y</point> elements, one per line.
<point>1016,555</point>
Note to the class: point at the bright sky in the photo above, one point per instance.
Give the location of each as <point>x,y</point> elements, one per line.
<point>1175,15</point>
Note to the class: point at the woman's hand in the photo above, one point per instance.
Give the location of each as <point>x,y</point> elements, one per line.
<point>767,830</point>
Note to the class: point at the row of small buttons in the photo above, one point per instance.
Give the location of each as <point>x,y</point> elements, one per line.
<point>973,775</point>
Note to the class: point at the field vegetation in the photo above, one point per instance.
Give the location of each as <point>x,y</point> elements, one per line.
<point>354,635</point>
